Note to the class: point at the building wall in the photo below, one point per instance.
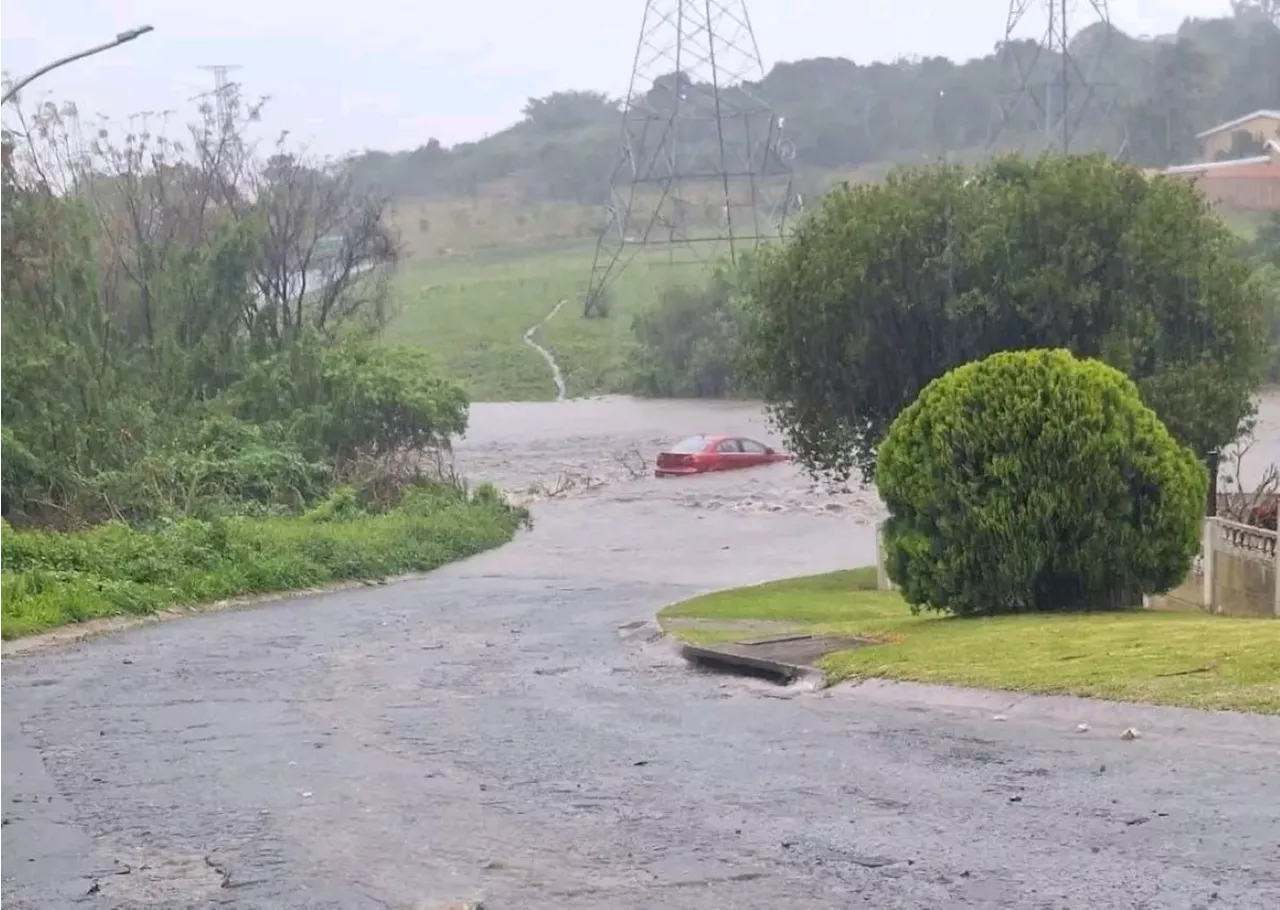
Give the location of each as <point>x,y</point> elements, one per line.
<point>1260,194</point>
<point>1251,184</point>
<point>1262,128</point>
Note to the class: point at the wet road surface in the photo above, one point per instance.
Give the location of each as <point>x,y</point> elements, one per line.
<point>487,732</point>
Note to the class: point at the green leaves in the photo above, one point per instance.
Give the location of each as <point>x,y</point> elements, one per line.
<point>889,286</point>
<point>690,343</point>
<point>357,397</point>
<point>1035,481</point>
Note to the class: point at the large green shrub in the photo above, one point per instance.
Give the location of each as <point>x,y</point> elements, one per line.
<point>689,345</point>
<point>357,396</point>
<point>1032,480</point>
<point>887,286</point>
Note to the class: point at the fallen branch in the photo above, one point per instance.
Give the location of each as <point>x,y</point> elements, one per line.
<point>633,462</point>
<point>1209,669</point>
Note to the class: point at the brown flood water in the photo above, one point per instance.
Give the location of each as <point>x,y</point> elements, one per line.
<point>603,450</point>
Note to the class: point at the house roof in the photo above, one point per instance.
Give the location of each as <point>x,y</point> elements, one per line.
<point>1268,171</point>
<point>1210,167</point>
<point>1232,124</point>
<point>1254,166</point>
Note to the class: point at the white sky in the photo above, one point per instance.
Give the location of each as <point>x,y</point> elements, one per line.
<point>389,74</point>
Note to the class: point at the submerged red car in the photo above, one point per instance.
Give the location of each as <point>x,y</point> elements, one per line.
<point>700,454</point>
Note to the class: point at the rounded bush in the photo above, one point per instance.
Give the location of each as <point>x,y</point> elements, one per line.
<point>1032,480</point>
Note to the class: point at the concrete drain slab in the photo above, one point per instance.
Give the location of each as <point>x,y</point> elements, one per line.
<point>781,657</point>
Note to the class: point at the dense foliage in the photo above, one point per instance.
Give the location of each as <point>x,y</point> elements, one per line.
<point>886,287</point>
<point>1035,481</point>
<point>191,349</point>
<point>689,345</point>
<point>1264,253</point>
<point>172,349</point>
<point>1154,94</point>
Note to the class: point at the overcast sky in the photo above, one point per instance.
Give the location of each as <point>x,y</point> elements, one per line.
<point>389,74</point>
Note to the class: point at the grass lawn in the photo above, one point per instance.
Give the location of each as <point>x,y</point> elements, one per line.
<point>1188,659</point>
<point>472,313</point>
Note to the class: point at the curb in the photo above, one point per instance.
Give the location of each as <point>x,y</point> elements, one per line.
<point>715,659</point>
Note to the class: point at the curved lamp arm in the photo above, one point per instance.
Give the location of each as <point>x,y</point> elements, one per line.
<point>121,38</point>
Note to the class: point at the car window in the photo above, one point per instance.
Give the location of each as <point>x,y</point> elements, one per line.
<point>751,447</point>
<point>690,445</point>
<point>729,445</point>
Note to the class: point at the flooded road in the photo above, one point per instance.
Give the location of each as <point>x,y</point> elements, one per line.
<point>490,732</point>
<point>602,450</point>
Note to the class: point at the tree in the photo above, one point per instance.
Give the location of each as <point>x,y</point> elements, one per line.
<point>317,249</point>
<point>1031,480</point>
<point>561,111</point>
<point>887,287</point>
<point>689,344</point>
<point>189,327</point>
<point>1163,121</point>
<point>840,114</point>
<point>326,249</point>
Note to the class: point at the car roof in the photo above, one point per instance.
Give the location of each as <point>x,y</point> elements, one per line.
<point>706,438</point>
<point>713,438</point>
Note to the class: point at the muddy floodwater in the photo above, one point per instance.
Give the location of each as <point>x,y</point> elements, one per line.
<point>603,450</point>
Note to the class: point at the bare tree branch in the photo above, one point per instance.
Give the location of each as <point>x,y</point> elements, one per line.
<point>1256,506</point>
<point>322,249</point>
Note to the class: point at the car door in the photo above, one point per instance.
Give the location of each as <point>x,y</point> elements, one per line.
<point>753,452</point>
<point>729,454</point>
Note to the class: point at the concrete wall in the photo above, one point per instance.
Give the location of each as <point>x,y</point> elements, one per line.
<point>1243,585</point>
<point>1241,564</point>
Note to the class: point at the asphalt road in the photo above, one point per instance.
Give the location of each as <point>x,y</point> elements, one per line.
<point>487,732</point>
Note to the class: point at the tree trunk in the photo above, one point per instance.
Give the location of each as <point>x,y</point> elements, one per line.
<point>1211,462</point>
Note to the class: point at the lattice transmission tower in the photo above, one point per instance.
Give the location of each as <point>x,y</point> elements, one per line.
<point>702,166</point>
<point>223,89</point>
<point>1054,61</point>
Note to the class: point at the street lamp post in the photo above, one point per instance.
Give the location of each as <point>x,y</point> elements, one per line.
<point>119,39</point>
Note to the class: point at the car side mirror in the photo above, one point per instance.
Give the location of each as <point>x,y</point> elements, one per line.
<point>768,450</point>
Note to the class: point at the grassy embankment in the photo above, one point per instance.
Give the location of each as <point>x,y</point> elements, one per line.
<point>1170,658</point>
<point>504,268</point>
<point>471,313</point>
<point>53,579</point>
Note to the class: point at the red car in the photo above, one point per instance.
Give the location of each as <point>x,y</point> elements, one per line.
<point>700,454</point>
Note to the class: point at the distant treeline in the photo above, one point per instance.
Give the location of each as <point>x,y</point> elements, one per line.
<point>1149,96</point>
